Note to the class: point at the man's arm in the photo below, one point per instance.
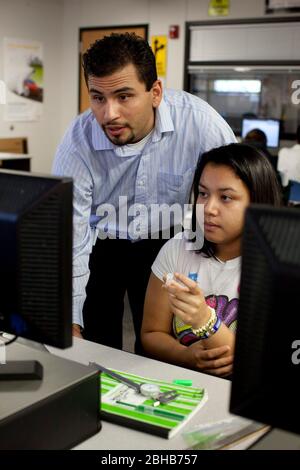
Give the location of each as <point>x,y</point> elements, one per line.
<point>217,132</point>
<point>69,163</point>
<point>76,330</point>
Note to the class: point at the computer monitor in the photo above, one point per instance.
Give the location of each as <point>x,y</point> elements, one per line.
<point>36,257</point>
<point>267,354</point>
<point>271,127</point>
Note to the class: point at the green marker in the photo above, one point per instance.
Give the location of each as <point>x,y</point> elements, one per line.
<point>186,383</point>
<point>160,412</point>
<point>154,411</point>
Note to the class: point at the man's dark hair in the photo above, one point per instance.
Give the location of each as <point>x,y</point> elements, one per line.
<point>256,135</point>
<point>114,52</point>
<point>251,166</point>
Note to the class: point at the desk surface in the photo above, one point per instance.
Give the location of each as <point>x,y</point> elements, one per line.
<point>113,436</point>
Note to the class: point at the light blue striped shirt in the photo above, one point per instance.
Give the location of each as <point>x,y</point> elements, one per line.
<point>162,172</point>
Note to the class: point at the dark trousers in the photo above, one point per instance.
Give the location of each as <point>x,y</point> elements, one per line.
<point>117,266</point>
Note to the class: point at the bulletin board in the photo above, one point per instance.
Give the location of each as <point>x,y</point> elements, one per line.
<point>88,36</point>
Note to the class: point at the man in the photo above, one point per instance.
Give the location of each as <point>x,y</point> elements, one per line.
<point>258,139</point>
<point>289,161</point>
<point>135,147</point>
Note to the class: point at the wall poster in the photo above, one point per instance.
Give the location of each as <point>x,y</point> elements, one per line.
<point>159,47</point>
<point>23,76</point>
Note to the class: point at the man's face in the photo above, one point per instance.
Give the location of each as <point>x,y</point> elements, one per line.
<point>122,106</point>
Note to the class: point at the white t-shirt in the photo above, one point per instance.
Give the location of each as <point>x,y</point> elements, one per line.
<point>125,150</point>
<point>289,163</point>
<point>219,281</point>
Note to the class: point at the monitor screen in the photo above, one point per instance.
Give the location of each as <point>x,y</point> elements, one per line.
<point>270,127</point>
<point>36,257</point>
<point>267,355</point>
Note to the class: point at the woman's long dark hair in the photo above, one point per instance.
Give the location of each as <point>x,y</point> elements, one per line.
<point>251,166</point>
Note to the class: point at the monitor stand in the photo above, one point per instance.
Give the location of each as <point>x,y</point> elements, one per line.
<point>21,370</point>
<point>57,412</point>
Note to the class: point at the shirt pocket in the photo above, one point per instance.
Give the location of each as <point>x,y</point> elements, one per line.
<point>175,188</point>
<point>168,185</point>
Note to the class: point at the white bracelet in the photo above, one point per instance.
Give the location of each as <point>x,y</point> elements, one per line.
<point>208,325</point>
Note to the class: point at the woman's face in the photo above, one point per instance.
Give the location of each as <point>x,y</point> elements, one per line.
<point>225,198</point>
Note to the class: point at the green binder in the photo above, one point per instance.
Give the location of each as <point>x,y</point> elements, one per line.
<point>122,405</point>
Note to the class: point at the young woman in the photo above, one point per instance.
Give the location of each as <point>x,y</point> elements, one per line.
<point>191,319</point>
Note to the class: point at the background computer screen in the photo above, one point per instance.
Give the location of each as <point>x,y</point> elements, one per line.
<point>270,127</point>
<point>266,364</point>
<point>36,257</point>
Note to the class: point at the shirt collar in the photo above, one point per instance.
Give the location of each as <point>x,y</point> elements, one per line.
<point>163,123</point>
<point>99,139</point>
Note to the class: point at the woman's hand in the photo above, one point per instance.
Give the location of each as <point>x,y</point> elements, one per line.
<point>216,361</point>
<point>187,301</point>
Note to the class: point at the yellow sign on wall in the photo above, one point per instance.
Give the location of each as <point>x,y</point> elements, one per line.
<point>218,8</point>
<point>159,47</point>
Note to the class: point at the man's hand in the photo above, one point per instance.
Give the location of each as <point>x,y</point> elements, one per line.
<point>214,361</point>
<point>76,331</point>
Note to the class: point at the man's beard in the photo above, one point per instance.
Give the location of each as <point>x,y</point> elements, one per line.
<point>117,140</point>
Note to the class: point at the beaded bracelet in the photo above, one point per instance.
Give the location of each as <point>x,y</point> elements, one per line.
<point>213,330</point>
<point>210,327</point>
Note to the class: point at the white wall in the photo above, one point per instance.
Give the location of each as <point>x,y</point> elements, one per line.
<point>56,24</point>
<point>38,20</point>
<point>158,14</point>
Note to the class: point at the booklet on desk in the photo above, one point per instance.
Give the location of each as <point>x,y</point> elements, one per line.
<point>123,405</point>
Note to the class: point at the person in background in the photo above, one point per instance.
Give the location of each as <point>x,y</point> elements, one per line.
<point>289,161</point>
<point>136,147</point>
<point>258,139</point>
<point>190,320</point>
